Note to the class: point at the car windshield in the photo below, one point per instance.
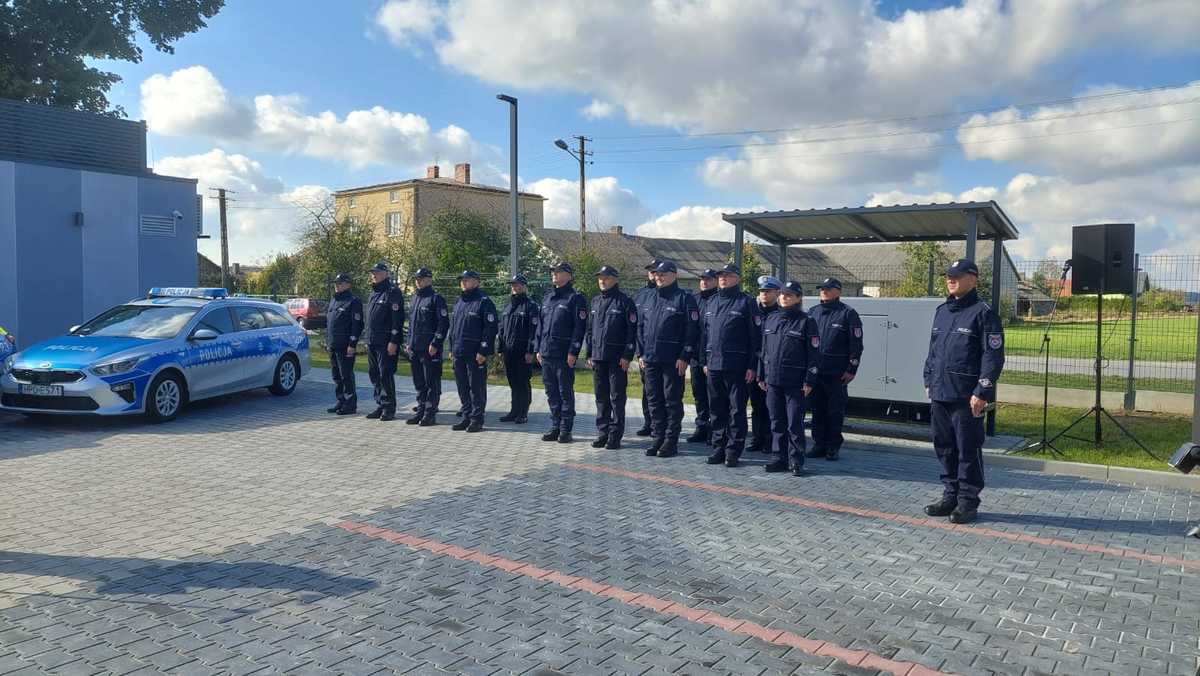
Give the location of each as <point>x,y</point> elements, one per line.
<point>152,322</point>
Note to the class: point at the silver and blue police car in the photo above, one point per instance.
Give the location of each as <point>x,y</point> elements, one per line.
<point>155,354</point>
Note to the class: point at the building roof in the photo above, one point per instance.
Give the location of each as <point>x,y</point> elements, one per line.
<point>884,261</point>
<point>897,223</point>
<point>443,181</point>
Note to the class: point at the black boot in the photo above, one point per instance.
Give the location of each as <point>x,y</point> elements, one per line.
<point>521,419</point>
<point>374,415</point>
<point>755,446</point>
<point>776,465</point>
<point>700,436</point>
<point>508,417</point>
<point>429,420</point>
<point>644,431</point>
<point>334,409</point>
<point>943,508</point>
<point>816,452</point>
<point>564,437</point>
<point>347,410</point>
<point>475,426</point>
<point>963,515</point>
<point>600,442</point>
<point>551,435</point>
<point>732,460</point>
<point>832,454</point>
<point>613,444</point>
<point>388,415</point>
<point>669,449</point>
<point>716,458</point>
<point>461,425</point>
<point>654,446</point>
<point>414,420</point>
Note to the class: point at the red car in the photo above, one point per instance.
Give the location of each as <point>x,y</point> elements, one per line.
<point>309,312</point>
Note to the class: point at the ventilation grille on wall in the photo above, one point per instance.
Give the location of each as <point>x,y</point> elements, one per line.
<point>158,226</point>
<point>199,214</point>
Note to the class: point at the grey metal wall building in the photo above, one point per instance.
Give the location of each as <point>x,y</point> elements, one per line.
<point>84,224</point>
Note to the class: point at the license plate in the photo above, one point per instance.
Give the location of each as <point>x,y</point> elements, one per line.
<point>42,390</point>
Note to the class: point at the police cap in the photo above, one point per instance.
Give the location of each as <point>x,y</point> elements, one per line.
<point>379,267</point>
<point>769,283</point>
<point>962,266</point>
<point>793,288</point>
<point>422,273</point>
<point>343,278</point>
<point>666,266</point>
<point>563,266</point>
<point>830,283</point>
<point>709,273</point>
<point>518,279</point>
<point>653,265</point>
<point>469,274</point>
<point>607,271</point>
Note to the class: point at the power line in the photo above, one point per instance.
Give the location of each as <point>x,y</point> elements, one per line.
<point>908,132</point>
<point>890,150</point>
<point>907,118</point>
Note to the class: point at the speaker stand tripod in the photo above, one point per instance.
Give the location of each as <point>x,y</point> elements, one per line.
<point>1046,444</point>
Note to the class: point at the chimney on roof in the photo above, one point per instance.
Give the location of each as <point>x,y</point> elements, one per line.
<point>433,171</point>
<point>616,229</point>
<point>462,173</point>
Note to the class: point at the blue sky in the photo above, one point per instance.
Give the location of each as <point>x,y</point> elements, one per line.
<point>700,67</point>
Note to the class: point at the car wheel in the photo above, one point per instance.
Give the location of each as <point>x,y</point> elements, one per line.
<point>287,375</point>
<point>165,397</point>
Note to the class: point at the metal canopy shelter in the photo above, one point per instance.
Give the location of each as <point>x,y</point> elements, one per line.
<point>970,221</point>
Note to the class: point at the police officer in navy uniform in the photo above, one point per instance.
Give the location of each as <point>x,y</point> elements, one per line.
<point>760,428</point>
<point>611,341</point>
<point>702,435</point>
<point>668,331</point>
<point>343,327</point>
<point>518,339</point>
<point>790,363</point>
<point>730,340</point>
<point>639,299</point>
<point>966,355</point>
<point>560,338</point>
<point>427,331</point>
<point>385,332</point>
<point>472,340</point>
<point>841,350</point>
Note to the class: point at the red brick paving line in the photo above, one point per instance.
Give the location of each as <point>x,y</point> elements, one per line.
<point>860,658</point>
<point>897,518</point>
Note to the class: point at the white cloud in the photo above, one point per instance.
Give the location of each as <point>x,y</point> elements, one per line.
<point>597,110</point>
<point>608,203</point>
<point>405,20</point>
<point>1096,137</point>
<point>192,102</point>
<point>263,213</point>
<point>693,222</point>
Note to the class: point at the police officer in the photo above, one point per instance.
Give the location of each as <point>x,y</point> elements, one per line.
<point>730,339</point>
<point>472,340</point>
<point>966,355</point>
<point>560,338</point>
<point>426,336</point>
<point>790,359</point>
<point>768,304</point>
<point>611,341</point>
<point>344,324</point>
<point>708,289</point>
<point>668,330</point>
<point>841,349</point>
<point>385,331</point>
<point>643,294</point>
<point>518,339</point>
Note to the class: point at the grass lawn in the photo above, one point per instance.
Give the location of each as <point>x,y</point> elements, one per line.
<point>1158,338</point>
<point>1161,433</point>
<point>1085,382</point>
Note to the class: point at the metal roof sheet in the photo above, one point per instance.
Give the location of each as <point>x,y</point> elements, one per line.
<point>897,223</point>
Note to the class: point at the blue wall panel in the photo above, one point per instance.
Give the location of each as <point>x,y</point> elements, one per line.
<point>110,241</point>
<point>8,251</point>
<point>49,250</point>
<point>168,261</point>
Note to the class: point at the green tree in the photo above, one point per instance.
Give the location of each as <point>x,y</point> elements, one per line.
<point>453,240</point>
<point>914,281</point>
<point>277,278</point>
<point>329,247</point>
<point>752,268</point>
<point>44,45</point>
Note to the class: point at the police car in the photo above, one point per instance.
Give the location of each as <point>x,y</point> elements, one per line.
<point>155,354</point>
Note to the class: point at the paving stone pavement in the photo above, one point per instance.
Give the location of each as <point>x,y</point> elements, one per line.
<point>225,542</point>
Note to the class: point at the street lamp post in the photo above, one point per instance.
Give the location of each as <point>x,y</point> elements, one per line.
<point>580,155</point>
<point>515,234</point>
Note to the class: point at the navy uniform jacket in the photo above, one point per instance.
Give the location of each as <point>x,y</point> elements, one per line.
<point>385,315</point>
<point>669,325</point>
<point>473,326</point>
<point>730,332</point>
<point>966,350</point>
<point>563,323</point>
<point>841,337</point>
<point>791,349</point>
<point>430,321</point>
<point>702,298</point>
<point>344,322</point>
<point>519,325</point>
<point>612,330</point>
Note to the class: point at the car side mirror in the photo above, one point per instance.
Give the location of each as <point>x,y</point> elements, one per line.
<point>205,334</point>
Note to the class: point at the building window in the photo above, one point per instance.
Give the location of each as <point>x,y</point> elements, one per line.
<point>395,224</point>
<point>353,201</point>
<point>352,220</point>
<point>394,196</point>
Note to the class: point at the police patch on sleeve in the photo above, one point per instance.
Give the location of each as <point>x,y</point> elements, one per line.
<point>758,320</point>
<point>583,314</point>
<point>491,317</point>
<point>633,318</point>
<point>695,315</point>
<point>444,312</point>
<point>858,332</point>
<point>984,382</point>
<point>395,307</point>
<point>995,340</point>
<point>816,341</point>
<point>357,316</point>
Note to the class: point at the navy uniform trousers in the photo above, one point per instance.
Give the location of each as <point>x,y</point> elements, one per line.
<point>727,395</point>
<point>518,374</point>
<point>427,379</point>
<point>471,378</point>
<point>786,405</point>
<point>760,417</point>
<point>611,382</point>
<point>958,440</point>
<point>828,404</point>
<point>559,380</point>
<point>341,368</point>
<point>700,395</point>
<point>381,367</point>
<point>664,390</point>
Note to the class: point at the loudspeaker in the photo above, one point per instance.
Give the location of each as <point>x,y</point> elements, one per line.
<point>1102,258</point>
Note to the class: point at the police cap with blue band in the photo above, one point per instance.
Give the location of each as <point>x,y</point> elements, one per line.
<point>769,283</point>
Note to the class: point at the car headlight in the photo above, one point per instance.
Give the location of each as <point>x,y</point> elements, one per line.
<point>7,364</point>
<point>112,368</point>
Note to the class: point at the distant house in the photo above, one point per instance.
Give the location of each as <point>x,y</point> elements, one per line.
<point>693,256</point>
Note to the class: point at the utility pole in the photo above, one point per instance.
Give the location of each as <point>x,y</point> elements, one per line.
<point>515,234</point>
<point>581,155</point>
<point>221,200</point>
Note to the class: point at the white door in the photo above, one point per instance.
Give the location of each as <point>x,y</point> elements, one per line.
<point>872,379</point>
